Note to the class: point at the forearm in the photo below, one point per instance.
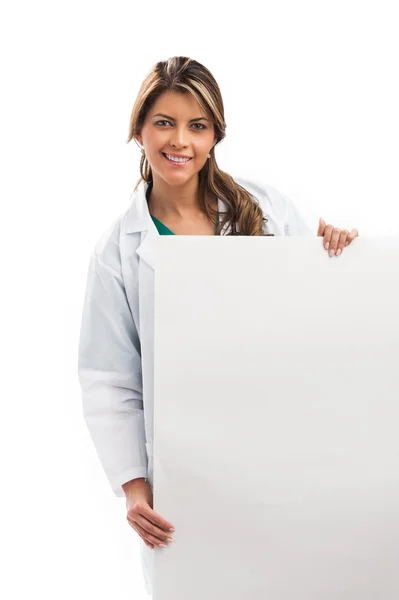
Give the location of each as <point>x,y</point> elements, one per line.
<point>129,486</point>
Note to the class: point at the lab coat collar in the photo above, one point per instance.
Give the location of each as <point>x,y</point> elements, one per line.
<point>138,219</point>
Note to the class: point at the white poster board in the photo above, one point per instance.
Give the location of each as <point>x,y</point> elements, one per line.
<point>276,446</point>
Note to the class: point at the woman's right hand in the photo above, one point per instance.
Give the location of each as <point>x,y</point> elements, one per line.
<point>150,526</point>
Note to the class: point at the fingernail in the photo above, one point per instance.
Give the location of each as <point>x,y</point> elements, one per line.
<point>171,529</point>
<point>326,246</point>
<point>162,545</point>
<point>332,251</point>
<point>338,251</point>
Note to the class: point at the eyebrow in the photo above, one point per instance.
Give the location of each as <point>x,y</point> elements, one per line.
<point>172,119</point>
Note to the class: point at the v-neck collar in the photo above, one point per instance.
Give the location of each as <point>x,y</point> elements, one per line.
<point>162,229</point>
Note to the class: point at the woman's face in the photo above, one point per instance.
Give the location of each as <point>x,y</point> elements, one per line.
<point>167,130</point>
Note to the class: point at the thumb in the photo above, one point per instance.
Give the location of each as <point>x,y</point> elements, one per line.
<point>322,226</point>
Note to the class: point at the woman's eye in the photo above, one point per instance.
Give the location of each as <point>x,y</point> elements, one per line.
<point>199,128</point>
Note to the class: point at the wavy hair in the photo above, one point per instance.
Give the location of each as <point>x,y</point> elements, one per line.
<point>185,75</point>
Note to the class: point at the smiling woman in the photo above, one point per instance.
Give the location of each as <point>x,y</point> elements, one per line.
<point>178,119</point>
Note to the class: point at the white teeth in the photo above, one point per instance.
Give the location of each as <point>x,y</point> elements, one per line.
<point>177,159</point>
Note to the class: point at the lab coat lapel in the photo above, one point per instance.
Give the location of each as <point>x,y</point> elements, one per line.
<point>139,221</point>
<point>148,244</point>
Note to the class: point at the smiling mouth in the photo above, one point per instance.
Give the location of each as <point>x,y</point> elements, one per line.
<point>177,162</point>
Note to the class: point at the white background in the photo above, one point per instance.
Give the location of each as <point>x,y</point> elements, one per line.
<point>311,95</point>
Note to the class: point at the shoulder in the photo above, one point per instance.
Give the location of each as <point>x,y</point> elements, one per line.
<point>269,197</point>
<point>283,216</point>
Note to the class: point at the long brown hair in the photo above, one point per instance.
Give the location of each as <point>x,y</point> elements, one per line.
<point>185,75</point>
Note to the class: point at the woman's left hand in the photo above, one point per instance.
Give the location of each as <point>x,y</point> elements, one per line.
<point>335,239</point>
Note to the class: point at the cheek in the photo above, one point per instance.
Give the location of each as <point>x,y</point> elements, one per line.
<point>156,145</point>
<point>155,139</point>
<point>201,147</point>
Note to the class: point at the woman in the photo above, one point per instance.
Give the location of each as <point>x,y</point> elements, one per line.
<point>178,118</point>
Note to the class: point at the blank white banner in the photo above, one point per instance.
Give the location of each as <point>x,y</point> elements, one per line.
<point>276,416</point>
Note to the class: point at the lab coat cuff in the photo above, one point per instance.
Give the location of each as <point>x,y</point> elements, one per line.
<point>133,473</point>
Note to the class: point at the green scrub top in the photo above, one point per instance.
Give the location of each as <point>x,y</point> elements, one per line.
<point>163,230</point>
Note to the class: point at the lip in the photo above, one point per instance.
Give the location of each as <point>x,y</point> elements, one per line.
<point>177,155</point>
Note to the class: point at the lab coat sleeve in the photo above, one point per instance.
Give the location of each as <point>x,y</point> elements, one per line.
<point>294,223</point>
<point>109,371</point>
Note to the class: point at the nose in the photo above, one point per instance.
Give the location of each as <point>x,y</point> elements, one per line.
<point>178,137</point>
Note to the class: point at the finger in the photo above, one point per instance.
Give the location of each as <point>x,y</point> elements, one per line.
<point>148,536</point>
<point>334,241</point>
<point>142,512</point>
<point>148,544</point>
<point>140,532</point>
<point>327,236</point>
<point>353,233</point>
<point>322,226</point>
<point>155,531</point>
<point>145,541</point>
<point>152,516</point>
<point>341,241</point>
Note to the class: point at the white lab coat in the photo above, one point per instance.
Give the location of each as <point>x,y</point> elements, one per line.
<point>116,350</point>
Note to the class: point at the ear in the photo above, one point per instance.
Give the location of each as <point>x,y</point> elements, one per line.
<point>138,139</point>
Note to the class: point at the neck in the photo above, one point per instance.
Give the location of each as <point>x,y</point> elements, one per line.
<point>174,200</point>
